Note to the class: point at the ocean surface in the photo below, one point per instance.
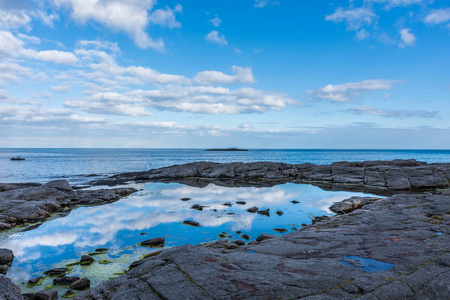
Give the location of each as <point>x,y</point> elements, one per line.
<point>43,165</point>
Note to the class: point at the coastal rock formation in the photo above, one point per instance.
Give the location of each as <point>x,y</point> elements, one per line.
<point>396,175</point>
<point>392,248</point>
<point>9,290</point>
<point>23,203</point>
<point>6,259</point>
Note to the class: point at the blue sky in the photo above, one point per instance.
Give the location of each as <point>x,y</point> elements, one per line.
<point>371,74</point>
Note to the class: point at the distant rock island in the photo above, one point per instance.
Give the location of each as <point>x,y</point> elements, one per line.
<point>226,149</point>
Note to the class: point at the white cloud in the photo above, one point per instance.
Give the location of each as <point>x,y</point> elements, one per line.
<point>13,20</point>
<point>129,16</point>
<point>438,16</point>
<point>367,110</point>
<point>10,46</point>
<point>215,37</point>
<point>362,34</point>
<point>355,18</point>
<point>62,88</point>
<point>55,56</point>
<point>196,99</point>
<point>242,75</point>
<point>29,39</point>
<point>216,21</point>
<point>398,3</point>
<point>166,17</point>
<point>154,77</point>
<point>347,92</point>
<point>408,39</point>
<point>99,44</point>
<point>264,3</point>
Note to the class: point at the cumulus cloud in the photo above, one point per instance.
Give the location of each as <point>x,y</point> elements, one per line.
<point>264,3</point>
<point>196,99</point>
<point>438,16</point>
<point>55,56</point>
<point>9,45</point>
<point>12,72</point>
<point>13,20</point>
<point>242,75</point>
<point>347,92</point>
<point>215,37</point>
<point>62,88</point>
<point>399,3</point>
<point>355,18</point>
<point>368,110</point>
<point>131,17</point>
<point>166,17</point>
<point>407,38</point>
<point>216,21</point>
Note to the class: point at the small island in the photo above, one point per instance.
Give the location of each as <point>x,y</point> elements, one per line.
<point>226,149</point>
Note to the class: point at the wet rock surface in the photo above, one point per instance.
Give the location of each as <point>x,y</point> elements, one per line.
<point>6,259</point>
<point>26,203</point>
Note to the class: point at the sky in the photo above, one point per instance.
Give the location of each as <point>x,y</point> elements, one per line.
<point>297,74</point>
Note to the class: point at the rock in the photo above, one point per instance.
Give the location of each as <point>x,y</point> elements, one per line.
<point>295,202</point>
<point>253,243</point>
<point>35,280</point>
<point>245,236</point>
<point>239,242</point>
<point>349,205</point>
<point>319,218</point>
<point>280,230</point>
<point>101,250</point>
<point>264,212</point>
<point>227,204</point>
<point>191,223</point>
<point>241,202</point>
<point>264,236</point>
<point>279,212</point>
<point>197,207</point>
<point>6,256</point>
<point>57,272</point>
<point>252,209</point>
<point>45,295</point>
<point>185,199</point>
<point>9,290</point>
<point>69,294</point>
<point>155,242</point>
<point>86,260</point>
<point>81,284</point>
<point>65,280</point>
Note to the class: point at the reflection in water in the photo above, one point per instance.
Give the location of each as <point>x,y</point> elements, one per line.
<point>158,211</point>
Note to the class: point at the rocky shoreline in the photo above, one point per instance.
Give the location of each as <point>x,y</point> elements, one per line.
<point>374,248</point>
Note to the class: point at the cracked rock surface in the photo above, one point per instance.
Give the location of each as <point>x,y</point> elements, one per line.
<point>23,203</point>
<point>393,248</point>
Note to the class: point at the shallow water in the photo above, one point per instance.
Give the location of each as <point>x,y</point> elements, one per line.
<point>157,211</point>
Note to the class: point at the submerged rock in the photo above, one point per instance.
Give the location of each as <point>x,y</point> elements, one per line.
<point>264,212</point>
<point>191,223</point>
<point>35,280</point>
<point>279,212</point>
<point>241,202</point>
<point>197,207</point>
<point>69,294</point>
<point>252,209</point>
<point>57,272</point>
<point>155,242</point>
<point>280,230</point>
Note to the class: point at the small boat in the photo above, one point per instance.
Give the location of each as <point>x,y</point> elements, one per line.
<point>17,158</point>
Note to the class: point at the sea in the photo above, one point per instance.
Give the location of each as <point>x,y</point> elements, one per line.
<point>43,165</point>
<point>160,209</point>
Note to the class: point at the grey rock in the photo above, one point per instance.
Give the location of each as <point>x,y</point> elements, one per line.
<point>65,280</point>
<point>45,295</point>
<point>9,290</point>
<point>86,260</point>
<point>264,236</point>
<point>191,223</point>
<point>81,284</point>
<point>349,205</point>
<point>155,242</point>
<point>6,256</point>
<point>264,212</point>
<point>252,209</point>
<point>57,272</point>
<point>35,280</point>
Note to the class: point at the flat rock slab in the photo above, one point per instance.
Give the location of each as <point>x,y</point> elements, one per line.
<point>393,248</point>
<point>374,176</point>
<point>21,203</point>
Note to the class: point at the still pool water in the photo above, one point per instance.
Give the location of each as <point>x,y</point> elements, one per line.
<point>158,211</point>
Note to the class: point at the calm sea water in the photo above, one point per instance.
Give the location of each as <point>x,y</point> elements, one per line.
<point>43,165</point>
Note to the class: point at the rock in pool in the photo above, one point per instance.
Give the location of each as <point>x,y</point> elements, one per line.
<point>264,236</point>
<point>81,284</point>
<point>86,260</point>
<point>252,209</point>
<point>155,242</point>
<point>65,280</point>
<point>264,212</point>
<point>191,223</point>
